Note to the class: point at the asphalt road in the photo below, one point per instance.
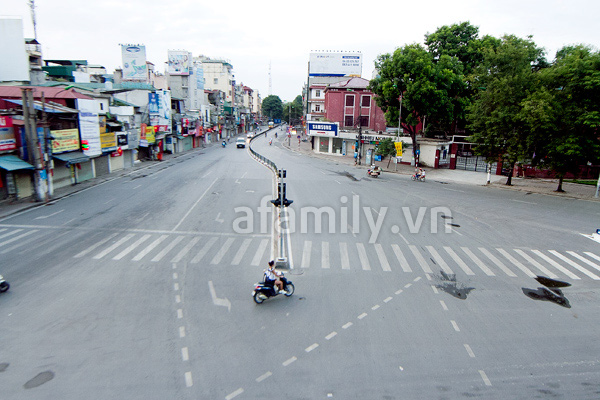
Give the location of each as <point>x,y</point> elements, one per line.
<point>140,288</point>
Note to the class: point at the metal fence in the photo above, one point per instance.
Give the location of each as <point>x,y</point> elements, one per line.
<point>473,163</point>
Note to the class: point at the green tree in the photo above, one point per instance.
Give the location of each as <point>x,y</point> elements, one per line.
<point>272,107</point>
<point>563,116</point>
<point>294,108</point>
<point>386,148</point>
<point>428,88</point>
<point>506,77</point>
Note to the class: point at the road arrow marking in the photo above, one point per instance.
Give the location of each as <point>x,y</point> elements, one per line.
<point>216,301</point>
<point>219,219</point>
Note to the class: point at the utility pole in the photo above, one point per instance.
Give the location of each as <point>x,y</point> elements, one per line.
<point>47,150</point>
<point>34,149</point>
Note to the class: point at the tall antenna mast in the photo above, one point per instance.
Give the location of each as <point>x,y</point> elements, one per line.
<point>270,82</point>
<point>32,6</point>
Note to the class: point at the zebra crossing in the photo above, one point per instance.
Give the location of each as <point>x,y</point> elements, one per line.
<point>344,256</point>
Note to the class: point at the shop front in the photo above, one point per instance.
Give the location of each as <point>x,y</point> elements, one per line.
<point>71,168</point>
<point>15,177</point>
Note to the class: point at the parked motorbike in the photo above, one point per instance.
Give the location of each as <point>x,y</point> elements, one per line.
<point>420,178</point>
<point>374,171</point>
<point>262,291</point>
<point>4,286</point>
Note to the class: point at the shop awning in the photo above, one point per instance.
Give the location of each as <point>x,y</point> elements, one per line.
<point>73,157</point>
<point>14,163</point>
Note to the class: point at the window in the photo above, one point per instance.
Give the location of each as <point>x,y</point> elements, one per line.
<point>350,101</point>
<point>364,120</point>
<point>317,93</point>
<point>366,101</point>
<point>317,108</point>
<point>348,120</point>
<point>216,81</point>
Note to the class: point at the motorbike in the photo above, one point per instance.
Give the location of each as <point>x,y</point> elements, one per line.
<point>224,144</point>
<point>374,172</point>
<point>3,285</point>
<point>262,291</point>
<point>420,178</point>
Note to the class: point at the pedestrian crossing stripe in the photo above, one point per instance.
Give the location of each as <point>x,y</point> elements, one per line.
<point>138,246</point>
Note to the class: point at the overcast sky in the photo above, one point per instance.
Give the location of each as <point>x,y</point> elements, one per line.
<point>252,34</point>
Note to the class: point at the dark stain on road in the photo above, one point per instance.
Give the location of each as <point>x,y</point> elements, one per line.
<point>453,224</point>
<point>347,175</point>
<point>550,292</point>
<point>3,367</point>
<point>39,379</point>
<point>447,217</point>
<point>449,285</point>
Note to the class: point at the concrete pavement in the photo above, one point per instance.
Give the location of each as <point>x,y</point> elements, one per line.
<point>529,185</point>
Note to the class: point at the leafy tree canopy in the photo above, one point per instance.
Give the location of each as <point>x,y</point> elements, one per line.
<point>272,107</point>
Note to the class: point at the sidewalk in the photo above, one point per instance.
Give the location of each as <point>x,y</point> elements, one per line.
<point>529,185</point>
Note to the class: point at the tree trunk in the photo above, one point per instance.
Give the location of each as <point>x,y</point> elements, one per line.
<point>560,182</point>
<point>510,174</point>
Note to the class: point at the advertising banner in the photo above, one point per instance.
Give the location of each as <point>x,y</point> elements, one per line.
<point>335,64</point>
<point>159,110</point>
<point>134,62</point>
<point>199,71</point>
<point>65,140</point>
<point>108,142</point>
<point>179,62</point>
<point>328,129</point>
<point>89,126</point>
<point>398,149</point>
<point>7,134</point>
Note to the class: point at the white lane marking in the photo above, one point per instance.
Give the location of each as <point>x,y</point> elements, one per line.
<point>375,307</point>
<point>455,325</point>
<point>325,255</point>
<point>385,265</point>
<point>289,361</point>
<point>347,325</point>
<point>555,264</point>
<point>185,355</point>
<point>14,239</point>
<point>398,291</point>
<point>331,335</point>
<point>150,247</point>
<point>95,246</point>
<point>137,187</point>
<point>536,264</point>
<point>588,262</point>
<point>407,285</point>
<point>477,261</point>
<point>311,347</point>
<point>167,249</point>
<point>420,259</point>
<point>401,258</point>
<point>459,261</point>
<point>345,258</point>
<point>179,313</point>
<point>439,260</point>
<point>131,247</point>
<point>264,376</point>
<point>185,250</point>
<point>485,378</point>
<point>188,379</point>
<point>590,254</point>
<point>176,286</point>
<point>434,289</point>
<point>455,231</point>
<point>469,351</point>
<point>222,251</point>
<point>417,279</point>
<point>194,205</point>
<point>234,394</point>
<point>444,306</point>
<point>177,299</point>
<point>182,331</point>
<point>574,265</point>
<point>114,246</point>
<point>516,262</point>
<point>219,219</point>
<point>387,299</point>
<point>362,255</point>
<point>58,212</point>
<point>522,201</point>
<point>216,301</point>
<point>306,251</point>
<point>259,252</point>
<point>175,276</point>
<point>361,316</point>
<point>241,251</point>
<point>204,250</point>
<point>498,263</point>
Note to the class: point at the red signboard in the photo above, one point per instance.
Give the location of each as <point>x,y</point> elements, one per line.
<point>7,134</point>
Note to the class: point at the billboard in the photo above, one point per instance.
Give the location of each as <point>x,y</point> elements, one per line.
<point>134,62</point>
<point>89,126</point>
<point>15,62</point>
<point>179,62</point>
<point>335,64</point>
<point>159,110</point>
<point>65,140</point>
<point>199,72</point>
<point>329,129</point>
<point>7,134</point>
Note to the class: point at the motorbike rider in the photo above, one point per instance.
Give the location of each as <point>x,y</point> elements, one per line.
<point>270,142</point>
<point>272,277</point>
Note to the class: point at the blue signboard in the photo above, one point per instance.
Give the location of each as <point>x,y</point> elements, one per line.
<point>322,129</point>
<point>277,120</point>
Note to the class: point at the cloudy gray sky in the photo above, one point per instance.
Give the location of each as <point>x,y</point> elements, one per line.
<point>253,33</point>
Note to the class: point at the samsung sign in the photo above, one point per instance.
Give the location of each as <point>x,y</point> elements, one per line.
<point>322,129</point>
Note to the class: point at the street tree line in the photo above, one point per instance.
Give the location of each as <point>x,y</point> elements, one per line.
<point>514,104</point>
<point>273,107</point>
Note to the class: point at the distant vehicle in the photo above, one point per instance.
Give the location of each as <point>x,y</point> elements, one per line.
<point>250,136</point>
<point>241,142</point>
<point>271,124</point>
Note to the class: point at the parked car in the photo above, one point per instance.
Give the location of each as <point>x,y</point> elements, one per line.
<point>241,142</point>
